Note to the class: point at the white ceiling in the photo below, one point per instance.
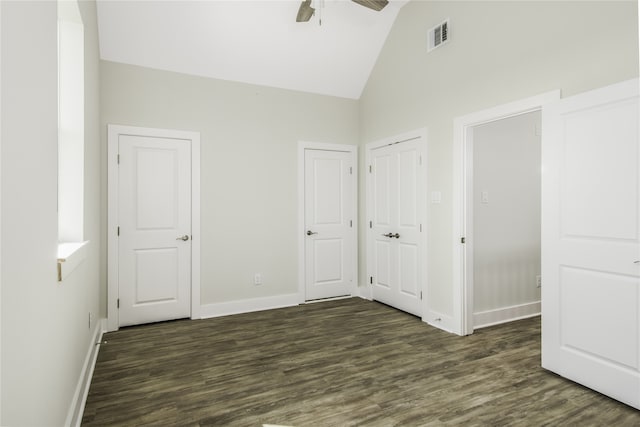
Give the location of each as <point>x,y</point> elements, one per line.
<point>250,41</point>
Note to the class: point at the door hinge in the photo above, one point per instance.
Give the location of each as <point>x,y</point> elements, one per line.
<point>118,303</point>
<point>118,231</point>
<point>421,228</point>
<point>370,224</point>
<point>420,295</point>
<point>420,160</point>
<point>351,223</point>
<point>371,279</point>
<point>463,240</point>
<point>118,158</point>
<point>370,168</point>
<point>350,170</point>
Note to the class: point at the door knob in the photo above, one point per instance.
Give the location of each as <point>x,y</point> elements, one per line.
<point>309,232</point>
<point>391,235</point>
<point>183,238</point>
<point>636,262</point>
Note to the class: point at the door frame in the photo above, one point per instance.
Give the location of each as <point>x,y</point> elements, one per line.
<point>324,146</point>
<point>462,321</point>
<point>421,134</point>
<point>113,134</point>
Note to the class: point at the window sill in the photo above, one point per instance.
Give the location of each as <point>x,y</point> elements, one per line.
<point>70,256</point>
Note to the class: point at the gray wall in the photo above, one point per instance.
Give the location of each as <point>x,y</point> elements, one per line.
<point>45,332</point>
<point>506,225</point>
<point>498,52</point>
<point>249,139</point>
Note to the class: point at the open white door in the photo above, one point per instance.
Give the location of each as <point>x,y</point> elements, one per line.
<point>591,240</point>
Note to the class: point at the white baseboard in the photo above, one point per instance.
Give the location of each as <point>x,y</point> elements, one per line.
<point>440,321</point>
<point>248,305</point>
<point>76,410</point>
<point>506,314</point>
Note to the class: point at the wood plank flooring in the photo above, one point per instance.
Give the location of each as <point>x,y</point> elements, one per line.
<point>340,363</point>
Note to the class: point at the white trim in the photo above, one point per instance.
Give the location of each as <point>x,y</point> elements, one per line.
<point>367,291</point>
<point>113,132</point>
<point>248,305</point>
<point>462,280</point>
<point>76,409</point>
<point>70,256</point>
<point>441,321</point>
<point>1,234</point>
<point>305,145</point>
<point>506,314</point>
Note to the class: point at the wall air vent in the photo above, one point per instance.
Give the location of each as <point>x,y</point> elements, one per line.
<point>438,36</point>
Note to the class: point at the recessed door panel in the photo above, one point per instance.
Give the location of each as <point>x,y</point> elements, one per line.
<point>156,277</point>
<point>328,191</point>
<point>408,280</point>
<point>156,188</point>
<point>408,181</point>
<point>382,188</point>
<point>598,196</point>
<point>329,258</point>
<point>585,293</point>
<point>383,264</point>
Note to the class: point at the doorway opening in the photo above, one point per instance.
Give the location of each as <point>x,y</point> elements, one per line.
<point>503,213</point>
<point>486,201</point>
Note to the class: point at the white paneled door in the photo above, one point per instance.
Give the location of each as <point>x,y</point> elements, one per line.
<point>154,219</point>
<point>396,251</point>
<point>329,223</point>
<point>591,240</point>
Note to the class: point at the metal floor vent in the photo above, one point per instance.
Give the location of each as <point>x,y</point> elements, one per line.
<point>438,36</point>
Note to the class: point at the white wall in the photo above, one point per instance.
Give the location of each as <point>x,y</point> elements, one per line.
<point>506,222</point>
<point>45,331</point>
<point>249,137</point>
<point>498,52</point>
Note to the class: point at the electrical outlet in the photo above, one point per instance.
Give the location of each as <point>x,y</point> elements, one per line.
<point>257,279</point>
<point>538,281</point>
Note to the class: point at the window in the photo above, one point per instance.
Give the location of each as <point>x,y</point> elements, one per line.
<point>70,134</point>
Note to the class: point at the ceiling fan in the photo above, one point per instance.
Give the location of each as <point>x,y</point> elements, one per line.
<point>305,12</point>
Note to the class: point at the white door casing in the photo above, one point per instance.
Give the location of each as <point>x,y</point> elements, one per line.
<point>396,232</point>
<point>591,240</point>
<point>328,223</point>
<point>154,225</point>
<point>328,226</point>
<point>461,322</point>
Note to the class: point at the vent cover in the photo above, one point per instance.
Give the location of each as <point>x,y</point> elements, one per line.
<point>438,36</point>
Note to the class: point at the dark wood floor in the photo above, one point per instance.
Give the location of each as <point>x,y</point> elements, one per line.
<point>340,363</point>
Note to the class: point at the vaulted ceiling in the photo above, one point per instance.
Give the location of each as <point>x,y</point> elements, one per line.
<point>250,41</point>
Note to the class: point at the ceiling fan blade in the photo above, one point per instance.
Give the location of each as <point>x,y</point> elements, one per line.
<point>305,12</point>
<point>376,5</point>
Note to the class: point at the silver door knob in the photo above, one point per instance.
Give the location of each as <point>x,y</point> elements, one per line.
<point>309,232</point>
<point>389,235</point>
<point>183,238</point>
<point>397,236</point>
